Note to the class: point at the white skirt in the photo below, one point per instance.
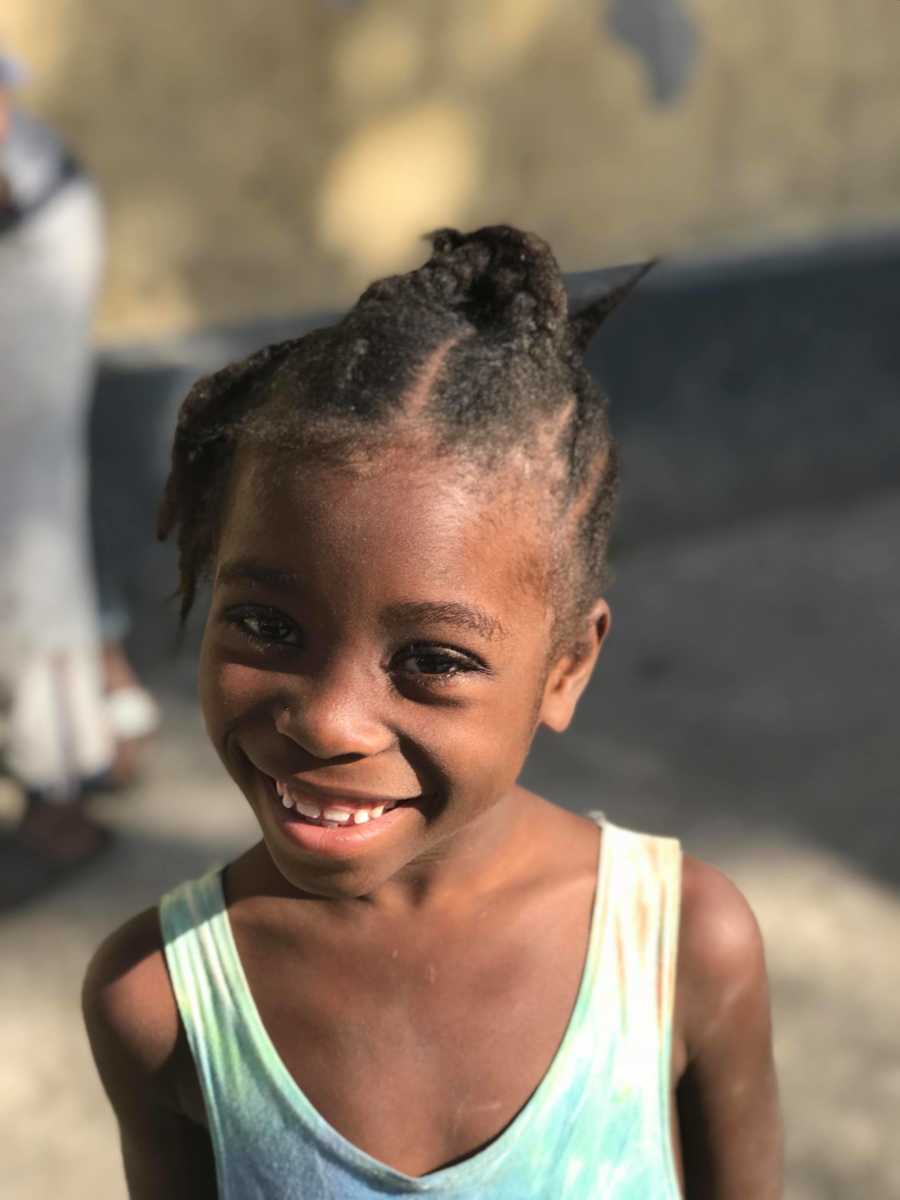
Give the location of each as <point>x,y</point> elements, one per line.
<point>50,681</point>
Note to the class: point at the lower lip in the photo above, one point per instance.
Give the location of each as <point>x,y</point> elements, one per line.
<point>339,841</point>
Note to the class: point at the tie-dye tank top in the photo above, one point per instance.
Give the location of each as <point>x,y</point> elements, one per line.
<point>597,1127</point>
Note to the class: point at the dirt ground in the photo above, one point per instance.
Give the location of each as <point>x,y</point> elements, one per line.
<point>746,702</point>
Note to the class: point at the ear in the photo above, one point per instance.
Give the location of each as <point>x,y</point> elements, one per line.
<point>570,673</point>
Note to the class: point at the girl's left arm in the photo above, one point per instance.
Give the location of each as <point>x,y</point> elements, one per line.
<point>729,1119</point>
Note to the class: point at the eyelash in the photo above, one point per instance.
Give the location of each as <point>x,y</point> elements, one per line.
<point>460,662</point>
<point>240,618</point>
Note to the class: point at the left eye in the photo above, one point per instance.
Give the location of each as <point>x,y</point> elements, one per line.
<point>433,662</point>
<point>270,628</point>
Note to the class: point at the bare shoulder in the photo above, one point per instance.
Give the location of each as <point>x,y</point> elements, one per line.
<point>727,1093</point>
<point>129,1008</point>
<point>137,1041</point>
<point>721,960</point>
<point>720,939</point>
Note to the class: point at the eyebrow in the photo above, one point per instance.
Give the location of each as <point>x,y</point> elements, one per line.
<point>446,612</point>
<point>425,612</point>
<point>246,571</point>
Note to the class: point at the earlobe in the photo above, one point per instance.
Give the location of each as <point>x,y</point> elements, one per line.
<point>571,672</point>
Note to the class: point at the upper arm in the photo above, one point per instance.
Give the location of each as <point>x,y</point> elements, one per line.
<point>134,1030</point>
<point>727,1097</point>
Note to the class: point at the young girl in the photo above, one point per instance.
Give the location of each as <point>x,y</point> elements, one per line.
<point>424,978</point>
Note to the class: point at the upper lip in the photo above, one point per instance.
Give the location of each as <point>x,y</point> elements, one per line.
<point>351,795</point>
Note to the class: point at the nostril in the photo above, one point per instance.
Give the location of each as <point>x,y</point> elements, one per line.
<point>332,733</point>
<point>284,722</point>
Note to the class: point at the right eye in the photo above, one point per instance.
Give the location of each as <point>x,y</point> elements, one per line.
<point>264,626</point>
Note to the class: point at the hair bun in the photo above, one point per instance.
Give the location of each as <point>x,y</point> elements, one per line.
<point>499,278</point>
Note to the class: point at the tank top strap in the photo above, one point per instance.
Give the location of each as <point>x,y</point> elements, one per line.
<point>644,907</point>
<point>635,986</point>
<point>232,1056</point>
<point>191,917</point>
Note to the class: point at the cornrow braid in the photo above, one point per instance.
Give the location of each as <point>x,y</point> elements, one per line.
<point>476,348</point>
<point>202,447</point>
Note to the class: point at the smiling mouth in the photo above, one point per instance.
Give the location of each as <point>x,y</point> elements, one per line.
<point>333,814</point>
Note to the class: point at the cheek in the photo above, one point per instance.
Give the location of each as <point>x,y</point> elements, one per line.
<point>490,745</point>
<point>230,691</point>
<point>525,692</point>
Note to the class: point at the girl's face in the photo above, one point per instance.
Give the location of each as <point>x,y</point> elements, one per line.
<point>375,657</point>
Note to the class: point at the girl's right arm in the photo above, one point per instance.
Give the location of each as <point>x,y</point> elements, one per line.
<point>134,1031</point>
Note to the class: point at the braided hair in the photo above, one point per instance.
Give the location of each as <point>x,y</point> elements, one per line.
<point>476,349</point>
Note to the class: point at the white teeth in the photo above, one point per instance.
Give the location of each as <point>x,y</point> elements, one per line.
<point>334,817</point>
<point>339,815</point>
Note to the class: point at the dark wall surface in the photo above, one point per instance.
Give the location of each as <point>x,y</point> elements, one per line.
<point>737,388</point>
<point>744,386</point>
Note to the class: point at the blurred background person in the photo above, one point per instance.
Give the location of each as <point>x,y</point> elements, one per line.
<point>57,732</point>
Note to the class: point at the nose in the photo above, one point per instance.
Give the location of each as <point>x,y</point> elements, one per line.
<point>333,717</point>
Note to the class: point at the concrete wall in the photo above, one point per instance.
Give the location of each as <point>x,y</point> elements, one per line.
<point>265,158</point>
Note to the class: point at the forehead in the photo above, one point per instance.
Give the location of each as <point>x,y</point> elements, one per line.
<point>409,525</point>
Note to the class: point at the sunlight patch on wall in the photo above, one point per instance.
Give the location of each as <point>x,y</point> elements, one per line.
<point>380,57</point>
<point>31,34</point>
<point>394,180</point>
<point>487,40</point>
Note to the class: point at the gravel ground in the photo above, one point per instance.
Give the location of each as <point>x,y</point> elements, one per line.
<point>746,702</point>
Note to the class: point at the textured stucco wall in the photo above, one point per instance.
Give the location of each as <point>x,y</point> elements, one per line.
<point>272,157</point>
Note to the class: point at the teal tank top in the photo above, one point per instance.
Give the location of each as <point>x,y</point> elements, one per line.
<point>597,1127</point>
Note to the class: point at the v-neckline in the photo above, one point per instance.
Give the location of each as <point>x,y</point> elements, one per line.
<point>481,1159</point>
